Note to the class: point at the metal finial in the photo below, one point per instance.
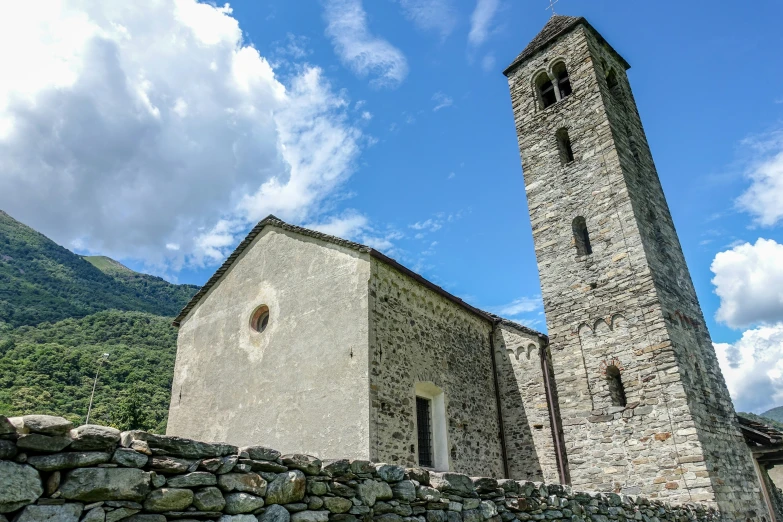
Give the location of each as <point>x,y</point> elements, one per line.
<point>552,6</point>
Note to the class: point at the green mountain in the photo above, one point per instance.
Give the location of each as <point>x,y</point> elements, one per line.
<point>42,281</point>
<point>775,414</point>
<point>60,312</point>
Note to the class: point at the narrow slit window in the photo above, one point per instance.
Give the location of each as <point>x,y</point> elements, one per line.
<point>564,147</point>
<point>546,90</point>
<point>611,82</point>
<point>615,384</point>
<point>423,416</point>
<point>563,81</point>
<point>581,237</point>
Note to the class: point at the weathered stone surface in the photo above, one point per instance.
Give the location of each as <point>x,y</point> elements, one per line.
<point>170,464</point>
<point>238,503</point>
<point>436,516</point>
<point>420,475</point>
<point>42,443</point>
<point>404,490</point>
<point>158,481</point>
<point>317,487</point>
<point>261,453</point>
<point>310,516</point>
<point>238,518</point>
<point>68,460</point>
<point>178,446</point>
<point>428,494</point>
<point>168,499</point>
<point>452,483</point>
<point>488,509</point>
<point>306,463</point>
<point>227,465</point>
<point>7,450</point>
<point>93,437</point>
<point>121,513</point>
<point>129,458</point>
<point>46,424</point>
<point>52,483</point>
<point>145,518</point>
<point>275,513</point>
<point>484,484</point>
<point>473,515</point>
<point>390,472</point>
<point>371,490</point>
<point>191,480</point>
<point>6,427</point>
<point>19,485</point>
<point>337,504</point>
<point>210,465</point>
<point>337,468</point>
<point>94,484</point>
<point>265,466</point>
<point>243,482</point>
<point>341,490</point>
<point>97,514</point>
<point>209,499</point>
<point>64,513</point>
<point>288,487</point>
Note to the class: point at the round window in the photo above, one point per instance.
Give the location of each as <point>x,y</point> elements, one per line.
<point>260,319</point>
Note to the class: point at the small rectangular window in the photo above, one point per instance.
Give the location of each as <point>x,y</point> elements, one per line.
<point>423,422</point>
<point>564,147</point>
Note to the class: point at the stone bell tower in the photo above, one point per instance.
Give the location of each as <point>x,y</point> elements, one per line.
<point>644,406</point>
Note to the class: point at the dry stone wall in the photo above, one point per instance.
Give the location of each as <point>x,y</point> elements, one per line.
<point>52,472</point>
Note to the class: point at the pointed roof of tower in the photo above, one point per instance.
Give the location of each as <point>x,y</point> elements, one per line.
<point>554,28</point>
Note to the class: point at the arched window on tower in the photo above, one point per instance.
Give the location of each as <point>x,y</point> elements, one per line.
<point>564,147</point>
<point>563,81</point>
<point>546,90</point>
<point>615,384</point>
<point>581,236</point>
<point>612,83</point>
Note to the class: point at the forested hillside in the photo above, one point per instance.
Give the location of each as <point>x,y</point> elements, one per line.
<point>59,312</point>
<point>42,281</point>
<point>775,414</point>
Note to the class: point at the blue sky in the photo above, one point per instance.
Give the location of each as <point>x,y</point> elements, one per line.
<point>159,132</point>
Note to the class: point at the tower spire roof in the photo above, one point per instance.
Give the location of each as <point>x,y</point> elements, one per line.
<point>556,26</point>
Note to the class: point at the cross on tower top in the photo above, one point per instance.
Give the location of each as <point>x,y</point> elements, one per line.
<point>552,6</point>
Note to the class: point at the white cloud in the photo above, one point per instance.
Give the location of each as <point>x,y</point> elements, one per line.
<point>294,46</point>
<point>753,368</point>
<point>435,15</point>
<point>441,101</point>
<point>430,225</point>
<point>366,54</point>
<point>128,128</point>
<point>518,307</point>
<point>749,281</point>
<point>481,20</point>
<point>348,226</point>
<point>488,63</point>
<point>764,197</point>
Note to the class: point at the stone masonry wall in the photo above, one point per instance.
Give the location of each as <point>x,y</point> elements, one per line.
<point>418,336</point>
<point>525,407</point>
<point>607,308</point>
<point>51,472</point>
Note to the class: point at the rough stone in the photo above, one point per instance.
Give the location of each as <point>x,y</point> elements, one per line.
<point>19,485</point>
<point>390,472</point>
<point>243,482</point>
<point>42,443</point>
<point>46,424</point>
<point>6,427</point>
<point>93,437</point>
<point>145,518</point>
<point>337,504</point>
<point>308,464</point>
<point>178,446</point>
<point>191,480</point>
<point>69,460</point>
<point>310,516</point>
<point>168,499</point>
<point>121,513</point>
<point>129,458</point>
<point>404,490</point>
<point>275,513</point>
<point>227,465</point>
<point>337,468</point>
<point>52,483</point>
<point>64,513</point>
<point>371,490</point>
<point>238,503</point>
<point>97,514</point>
<point>261,453</point>
<point>238,518</point>
<point>7,450</point>
<point>94,484</point>
<point>420,475</point>
<point>209,499</point>
<point>436,516</point>
<point>286,488</point>
<point>453,483</point>
<point>170,464</point>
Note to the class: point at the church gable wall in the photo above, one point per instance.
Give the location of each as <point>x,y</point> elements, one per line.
<point>418,336</point>
<point>302,383</point>
<point>526,420</point>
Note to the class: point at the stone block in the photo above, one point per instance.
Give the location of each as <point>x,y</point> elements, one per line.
<point>287,488</point>
<point>69,460</point>
<point>95,484</point>
<point>20,485</point>
<point>64,513</point>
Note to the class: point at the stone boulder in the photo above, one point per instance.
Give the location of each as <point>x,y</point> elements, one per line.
<point>310,516</point>
<point>239,503</point>
<point>96,484</point>
<point>46,424</point>
<point>337,504</point>
<point>260,453</point>
<point>63,513</point>
<point>275,513</point>
<point>129,458</point>
<point>6,427</point>
<point>92,437</point>
<point>243,482</point>
<point>177,446</point>
<point>308,464</point>
<point>192,480</point>
<point>43,443</point>
<point>287,488</point>
<point>20,485</point>
<point>453,484</point>
<point>168,499</point>
<point>68,460</point>
<point>7,450</point>
<point>370,491</point>
<point>390,472</point>
<point>209,499</point>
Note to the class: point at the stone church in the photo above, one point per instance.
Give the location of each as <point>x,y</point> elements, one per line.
<point>309,343</point>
